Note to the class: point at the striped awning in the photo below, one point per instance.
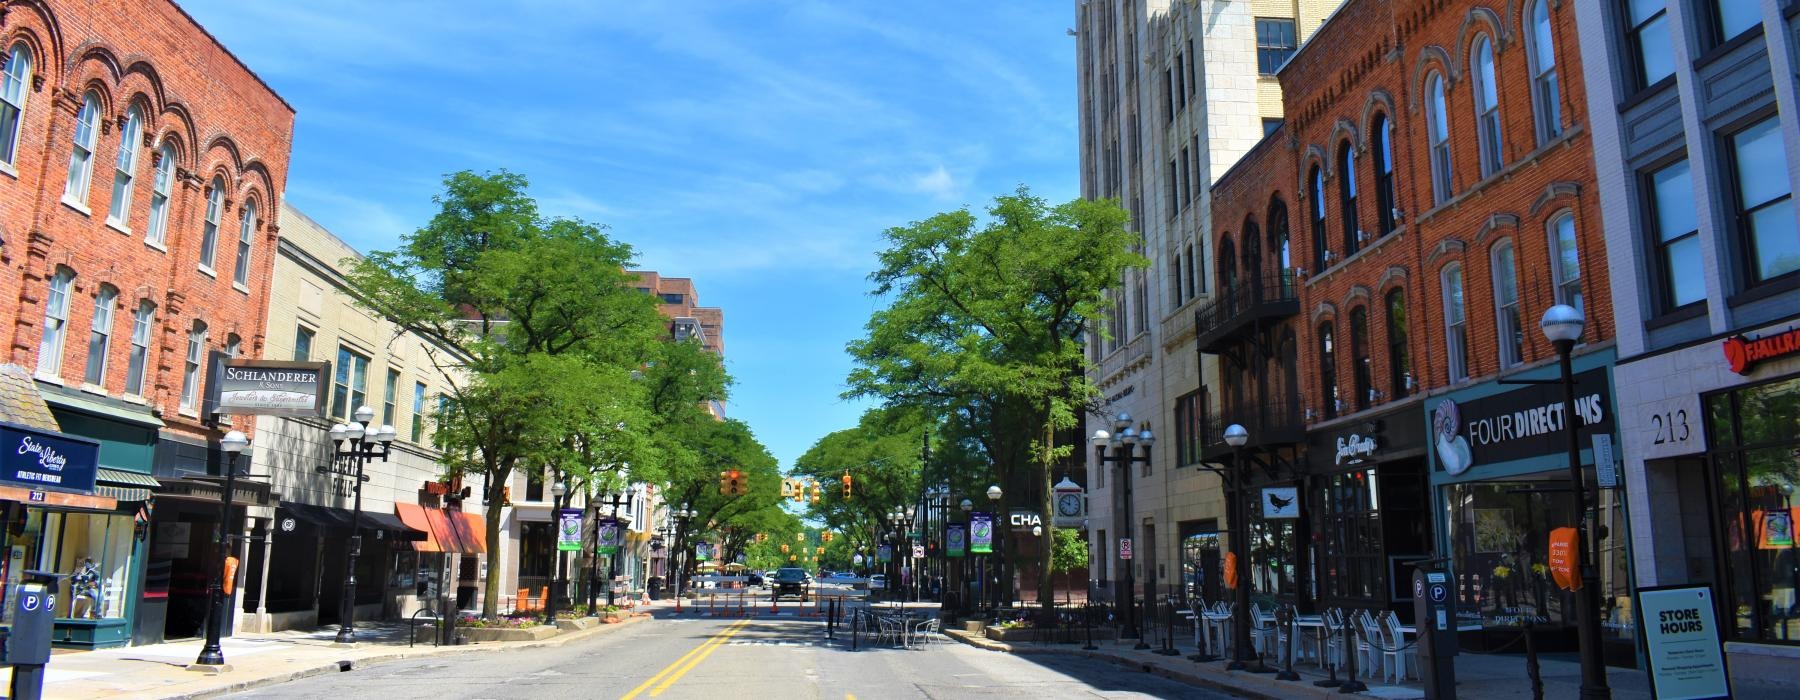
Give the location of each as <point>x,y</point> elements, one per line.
<point>123,485</point>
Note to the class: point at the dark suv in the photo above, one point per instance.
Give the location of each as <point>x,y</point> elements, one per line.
<point>790,581</point>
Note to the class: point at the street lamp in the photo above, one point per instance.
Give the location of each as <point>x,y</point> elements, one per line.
<point>232,444</point>
<point>1562,326</point>
<point>681,516</point>
<point>559,496</point>
<point>1124,441</point>
<point>616,499</point>
<point>353,445</point>
<point>1003,585</point>
<point>1236,436</point>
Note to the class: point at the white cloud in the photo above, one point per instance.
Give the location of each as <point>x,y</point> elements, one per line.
<point>938,183</point>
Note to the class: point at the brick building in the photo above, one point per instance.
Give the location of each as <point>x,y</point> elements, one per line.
<point>141,166</point>
<point>1382,260</point>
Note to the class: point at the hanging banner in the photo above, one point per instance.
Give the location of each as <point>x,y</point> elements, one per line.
<point>702,551</point>
<point>1565,558</point>
<point>1231,570</point>
<point>884,553</point>
<point>981,533</point>
<point>956,539</point>
<point>568,529</point>
<point>608,536</point>
<point>1681,643</point>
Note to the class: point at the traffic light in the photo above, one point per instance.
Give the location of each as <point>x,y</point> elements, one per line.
<point>734,483</point>
<point>827,535</point>
<point>784,548</point>
<point>846,485</point>
<point>821,550</point>
<point>762,536</point>
<point>724,484</point>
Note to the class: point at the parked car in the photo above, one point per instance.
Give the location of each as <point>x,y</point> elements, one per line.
<point>878,582</point>
<point>790,581</point>
<point>754,578</point>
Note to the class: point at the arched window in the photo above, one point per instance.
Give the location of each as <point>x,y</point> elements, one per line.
<point>1565,263</point>
<point>100,335</point>
<point>246,228</point>
<point>1487,105</point>
<point>1227,266</point>
<point>1456,323</point>
<point>1177,279</point>
<point>160,186</point>
<point>209,233</point>
<point>1347,197</point>
<point>1399,365</point>
<point>1253,256</point>
<point>1328,370</point>
<point>125,169</point>
<point>1279,243</point>
<point>1361,365</point>
<point>1321,251</point>
<point>1385,207</point>
<point>1438,131</point>
<point>56,323</point>
<point>14,85</point>
<point>1506,306</point>
<point>142,323</point>
<point>190,370</point>
<point>81,156</point>
<point>1542,52</point>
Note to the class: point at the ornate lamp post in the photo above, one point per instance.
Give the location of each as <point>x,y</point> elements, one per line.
<point>232,444</point>
<point>1004,589</point>
<point>616,499</point>
<point>1125,440</point>
<point>1236,436</point>
<point>353,445</point>
<point>681,516</point>
<point>1562,326</point>
<point>963,603</point>
<point>559,497</point>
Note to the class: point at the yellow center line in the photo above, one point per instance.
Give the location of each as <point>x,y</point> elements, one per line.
<point>684,657</point>
<point>715,643</point>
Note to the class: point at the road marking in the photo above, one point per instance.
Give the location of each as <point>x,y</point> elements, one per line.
<point>711,646</point>
<point>718,637</point>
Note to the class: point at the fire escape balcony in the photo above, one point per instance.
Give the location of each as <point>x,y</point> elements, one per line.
<point>1242,308</point>
<point>1270,424</point>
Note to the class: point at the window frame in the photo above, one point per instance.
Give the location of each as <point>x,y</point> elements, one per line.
<point>1327,338</point>
<point>1484,89</point>
<point>349,383</point>
<point>1508,315</point>
<point>137,364</point>
<point>1546,94</point>
<point>79,182</point>
<point>1362,367</point>
<point>1399,360</point>
<point>1437,139</point>
<point>1453,295</point>
<point>1316,202</point>
<point>1383,165</point>
<point>1266,48</point>
<point>118,208</point>
<point>15,91</point>
<point>1742,214</point>
<point>390,405</point>
<point>246,233</point>
<point>1347,193</point>
<point>303,336</point>
<point>190,375</point>
<point>1635,43</point>
<point>1714,16</point>
<point>53,341</point>
<point>209,228</point>
<point>418,412</point>
<point>162,182</point>
<point>100,335</point>
<point>1560,272</point>
<point>1660,244</point>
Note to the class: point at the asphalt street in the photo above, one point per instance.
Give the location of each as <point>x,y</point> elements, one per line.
<point>766,659</point>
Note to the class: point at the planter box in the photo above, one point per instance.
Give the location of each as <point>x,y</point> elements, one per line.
<point>1017,634</point>
<point>579,623</point>
<point>973,626</point>
<point>502,634</point>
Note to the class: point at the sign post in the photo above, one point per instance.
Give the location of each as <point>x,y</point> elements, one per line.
<point>1681,643</point>
<point>1125,548</point>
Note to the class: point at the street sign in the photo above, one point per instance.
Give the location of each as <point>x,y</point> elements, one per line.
<point>918,551</point>
<point>1125,548</point>
<point>1604,473</point>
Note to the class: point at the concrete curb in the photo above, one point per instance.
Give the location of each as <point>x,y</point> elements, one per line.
<point>346,665</point>
<point>1252,685</point>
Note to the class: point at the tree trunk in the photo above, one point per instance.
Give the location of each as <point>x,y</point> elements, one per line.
<point>490,604</point>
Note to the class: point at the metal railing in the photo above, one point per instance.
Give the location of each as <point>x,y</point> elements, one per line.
<point>1243,299</point>
<point>1273,422</point>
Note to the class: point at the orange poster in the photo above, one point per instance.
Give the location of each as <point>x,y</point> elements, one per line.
<point>1565,558</point>
<point>1230,570</point>
<point>231,567</point>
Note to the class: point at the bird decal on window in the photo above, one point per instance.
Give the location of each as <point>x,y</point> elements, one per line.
<point>1279,502</point>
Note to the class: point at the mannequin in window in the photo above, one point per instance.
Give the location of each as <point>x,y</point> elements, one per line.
<point>84,586</point>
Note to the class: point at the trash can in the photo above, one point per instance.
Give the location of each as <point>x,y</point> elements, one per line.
<point>654,587</point>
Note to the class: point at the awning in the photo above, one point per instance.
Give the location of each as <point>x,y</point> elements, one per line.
<point>339,518</point>
<point>117,411</point>
<point>450,531</point>
<point>123,485</point>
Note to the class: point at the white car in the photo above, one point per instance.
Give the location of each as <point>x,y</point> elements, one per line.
<point>878,582</point>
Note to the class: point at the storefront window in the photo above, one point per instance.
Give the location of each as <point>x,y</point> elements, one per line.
<point>93,553</point>
<point>1499,534</point>
<point>1272,552</point>
<point>1351,533</point>
<point>1199,563</point>
<point>1756,469</point>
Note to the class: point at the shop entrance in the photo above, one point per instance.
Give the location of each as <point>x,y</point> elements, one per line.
<point>181,564</point>
<point>1200,560</point>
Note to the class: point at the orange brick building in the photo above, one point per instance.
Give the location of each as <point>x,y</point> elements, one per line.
<point>1383,259</point>
<point>141,166</point>
<point>678,301</point>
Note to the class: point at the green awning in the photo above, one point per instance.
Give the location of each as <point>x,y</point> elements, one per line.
<point>77,402</point>
<point>126,478</point>
<point>122,494</point>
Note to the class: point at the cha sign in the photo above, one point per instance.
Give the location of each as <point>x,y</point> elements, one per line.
<point>270,388</point>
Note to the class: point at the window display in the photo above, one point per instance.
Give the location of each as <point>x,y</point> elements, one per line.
<point>93,553</point>
<point>1756,468</point>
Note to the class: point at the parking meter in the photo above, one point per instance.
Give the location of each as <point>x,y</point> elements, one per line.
<point>26,646</point>
<point>1434,615</point>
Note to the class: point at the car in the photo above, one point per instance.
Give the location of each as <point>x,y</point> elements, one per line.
<point>878,582</point>
<point>843,578</point>
<point>790,581</point>
<point>754,578</point>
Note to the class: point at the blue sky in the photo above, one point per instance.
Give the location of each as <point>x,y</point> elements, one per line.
<point>757,147</point>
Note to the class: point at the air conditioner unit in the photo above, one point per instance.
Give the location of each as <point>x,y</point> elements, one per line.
<point>1362,236</point>
<point>1397,214</point>
<point>1409,381</point>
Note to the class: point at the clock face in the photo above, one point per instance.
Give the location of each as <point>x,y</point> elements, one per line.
<point>1068,504</point>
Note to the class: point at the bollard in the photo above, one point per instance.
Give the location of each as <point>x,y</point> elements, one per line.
<point>1087,616</point>
<point>1285,616</point>
<point>1351,684</point>
<point>831,621</point>
<point>1145,626</point>
<point>1169,628</point>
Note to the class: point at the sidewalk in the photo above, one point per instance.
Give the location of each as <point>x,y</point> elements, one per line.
<point>159,671</point>
<point>1479,676</point>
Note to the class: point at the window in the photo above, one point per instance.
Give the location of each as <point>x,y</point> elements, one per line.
<point>1506,306</point>
<point>56,323</point>
<point>1399,366</point>
<point>125,169</point>
<point>1487,105</point>
<point>209,235</point>
<point>1385,206</point>
<point>1274,43</point>
<point>1361,365</point>
<point>1169,95</point>
<point>1270,125</point>
<point>1196,272</point>
<point>1456,324</point>
<point>1190,419</point>
<point>1680,277</point>
<point>1278,233</point>
<point>672,298</point>
<point>1321,251</point>
<point>13,88</point>
<point>160,184</point>
<point>391,397</point>
<point>246,227</point>
<point>1347,197</point>
<point>1541,51</point>
<point>1174,189</point>
<point>1565,263</point>
<point>190,371</point>
<point>1438,131</point>
<point>233,345</point>
<point>81,156</point>
<point>534,487</point>
<point>142,323</point>
<point>303,340</point>
<point>100,335</point>
<point>1764,201</point>
<point>1328,370</point>
<point>1650,40</point>
<point>418,412</point>
<point>1177,279</point>
<point>1187,181</point>
<point>1733,17</point>
<point>351,386</point>
<point>1181,91</point>
<point>1751,434</point>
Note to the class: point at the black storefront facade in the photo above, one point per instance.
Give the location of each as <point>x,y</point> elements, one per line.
<point>183,526</point>
<point>1499,478</point>
<point>1367,511</point>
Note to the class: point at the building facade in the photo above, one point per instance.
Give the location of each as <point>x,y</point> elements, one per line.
<point>140,168</point>
<point>1695,137</point>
